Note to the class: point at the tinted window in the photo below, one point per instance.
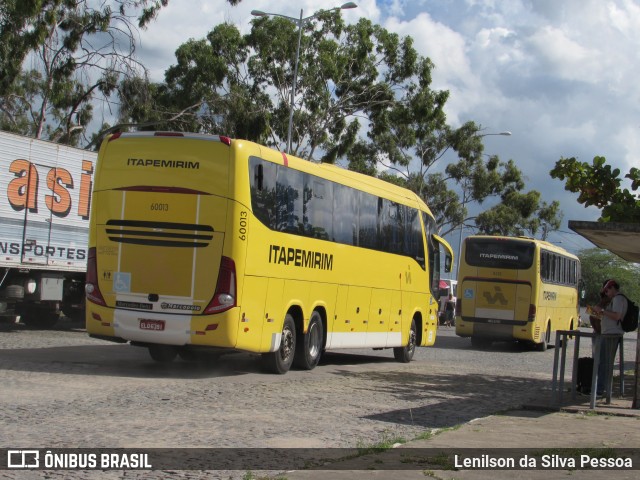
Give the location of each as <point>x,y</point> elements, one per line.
<point>345,215</point>
<point>413,236</point>
<point>263,190</point>
<point>289,190</point>
<point>318,208</point>
<point>368,220</point>
<point>391,226</point>
<point>495,253</point>
<point>289,200</point>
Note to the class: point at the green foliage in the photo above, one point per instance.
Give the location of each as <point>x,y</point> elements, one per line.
<point>599,184</point>
<point>599,265</point>
<point>363,94</point>
<point>76,53</point>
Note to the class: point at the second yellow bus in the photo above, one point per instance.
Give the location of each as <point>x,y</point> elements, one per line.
<point>515,288</point>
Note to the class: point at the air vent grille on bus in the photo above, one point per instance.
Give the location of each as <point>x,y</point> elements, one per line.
<point>159,234</point>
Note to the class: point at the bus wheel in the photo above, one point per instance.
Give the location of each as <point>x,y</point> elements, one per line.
<point>163,353</point>
<point>188,355</point>
<point>280,361</point>
<point>405,354</point>
<point>542,346</point>
<point>308,351</point>
<point>479,342</point>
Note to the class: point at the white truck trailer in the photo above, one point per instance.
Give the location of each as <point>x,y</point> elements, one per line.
<point>45,196</point>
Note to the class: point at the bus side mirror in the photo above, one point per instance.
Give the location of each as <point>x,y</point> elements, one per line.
<point>447,263</point>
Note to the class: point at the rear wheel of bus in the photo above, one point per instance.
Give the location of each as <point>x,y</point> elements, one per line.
<point>308,350</point>
<point>405,354</point>
<point>163,353</point>
<point>280,361</point>
<point>542,346</point>
<point>481,342</point>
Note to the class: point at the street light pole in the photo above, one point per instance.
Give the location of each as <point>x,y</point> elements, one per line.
<point>299,22</point>
<point>295,82</point>
<point>506,133</point>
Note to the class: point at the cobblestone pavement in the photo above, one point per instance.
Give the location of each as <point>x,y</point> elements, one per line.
<point>63,389</point>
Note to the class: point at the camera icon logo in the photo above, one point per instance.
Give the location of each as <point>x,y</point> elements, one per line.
<point>23,458</point>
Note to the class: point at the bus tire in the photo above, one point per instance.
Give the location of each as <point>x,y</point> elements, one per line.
<point>280,361</point>
<point>480,342</point>
<point>163,353</point>
<point>309,350</point>
<point>188,355</point>
<point>405,354</point>
<point>542,346</point>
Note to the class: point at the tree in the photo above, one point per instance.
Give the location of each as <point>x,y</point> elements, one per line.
<point>600,185</point>
<point>363,94</point>
<point>599,265</point>
<point>79,48</point>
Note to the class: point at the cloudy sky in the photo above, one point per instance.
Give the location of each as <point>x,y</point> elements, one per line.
<point>561,75</point>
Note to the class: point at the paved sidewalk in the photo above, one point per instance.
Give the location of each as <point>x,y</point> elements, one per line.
<point>537,426</point>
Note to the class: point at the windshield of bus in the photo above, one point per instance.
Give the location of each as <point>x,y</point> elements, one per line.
<point>499,253</point>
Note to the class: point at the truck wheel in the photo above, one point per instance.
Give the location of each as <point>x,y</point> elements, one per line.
<point>280,361</point>
<point>40,319</point>
<point>308,351</point>
<point>163,353</point>
<point>405,354</point>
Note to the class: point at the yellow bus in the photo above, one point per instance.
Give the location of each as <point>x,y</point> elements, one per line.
<point>515,288</point>
<point>204,241</point>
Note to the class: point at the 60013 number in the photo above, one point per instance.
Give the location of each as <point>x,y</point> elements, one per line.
<point>242,230</point>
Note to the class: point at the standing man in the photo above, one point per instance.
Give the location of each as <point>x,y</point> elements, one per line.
<point>612,315</point>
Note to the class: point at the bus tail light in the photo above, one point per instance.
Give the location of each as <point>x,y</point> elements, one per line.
<point>458,307</point>
<point>532,312</point>
<point>224,297</point>
<point>91,288</point>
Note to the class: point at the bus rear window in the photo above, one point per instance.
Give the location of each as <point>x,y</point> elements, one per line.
<point>487,252</point>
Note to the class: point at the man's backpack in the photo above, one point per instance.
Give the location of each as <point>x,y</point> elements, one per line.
<point>630,320</point>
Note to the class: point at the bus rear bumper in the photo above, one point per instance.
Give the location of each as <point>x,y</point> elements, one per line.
<point>493,331</point>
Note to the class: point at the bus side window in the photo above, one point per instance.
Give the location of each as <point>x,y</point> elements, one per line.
<point>289,200</point>
<point>390,226</point>
<point>318,208</point>
<point>414,244</point>
<point>345,215</point>
<point>263,191</point>
<point>368,221</point>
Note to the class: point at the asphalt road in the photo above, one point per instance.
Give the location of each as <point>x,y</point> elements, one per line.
<point>61,389</point>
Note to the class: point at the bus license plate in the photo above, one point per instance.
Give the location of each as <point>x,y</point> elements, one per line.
<point>156,325</point>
